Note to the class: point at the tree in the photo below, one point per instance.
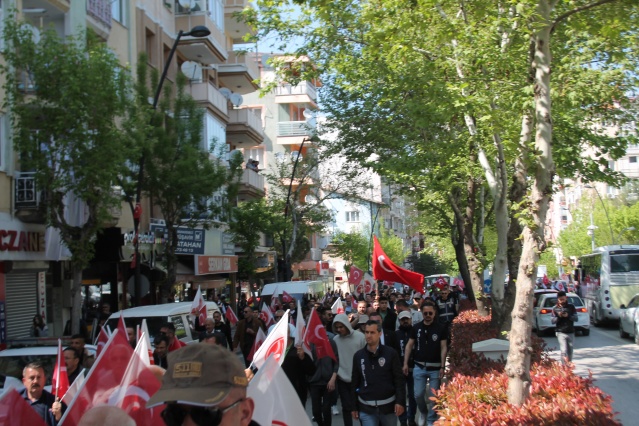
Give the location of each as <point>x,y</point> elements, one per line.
<point>392,245</point>
<point>353,247</point>
<point>65,129</point>
<point>472,80</point>
<point>182,172</point>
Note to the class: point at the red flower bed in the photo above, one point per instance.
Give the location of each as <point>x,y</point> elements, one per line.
<point>475,394</point>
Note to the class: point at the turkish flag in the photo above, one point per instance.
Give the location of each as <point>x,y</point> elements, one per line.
<point>260,337</point>
<point>266,316</point>
<point>122,326</point>
<point>355,275</point>
<point>137,386</point>
<point>384,269</point>
<point>286,298</point>
<point>198,307</point>
<point>15,410</point>
<point>316,334</point>
<point>230,316</point>
<point>103,379</point>
<point>354,304</point>
<point>60,381</point>
<point>337,307</point>
<point>103,338</point>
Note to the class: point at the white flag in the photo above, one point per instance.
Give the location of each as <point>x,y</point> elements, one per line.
<point>276,402</point>
<point>337,307</point>
<point>275,343</point>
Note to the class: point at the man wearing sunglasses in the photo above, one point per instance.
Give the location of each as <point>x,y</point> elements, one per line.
<point>428,338</point>
<point>204,385</point>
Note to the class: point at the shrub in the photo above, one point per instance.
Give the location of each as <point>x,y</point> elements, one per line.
<point>475,394</point>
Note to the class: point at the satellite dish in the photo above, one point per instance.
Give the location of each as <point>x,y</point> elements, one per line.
<point>35,33</point>
<point>225,92</point>
<point>308,114</point>
<point>187,4</point>
<point>192,70</point>
<point>236,99</point>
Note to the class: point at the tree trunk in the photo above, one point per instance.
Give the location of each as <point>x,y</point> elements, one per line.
<point>518,364</point>
<point>76,300</point>
<point>460,255</point>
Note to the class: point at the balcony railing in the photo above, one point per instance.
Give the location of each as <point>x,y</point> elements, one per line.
<point>206,92</point>
<point>254,179</point>
<point>100,10</point>
<point>304,88</point>
<point>293,128</point>
<point>249,116</point>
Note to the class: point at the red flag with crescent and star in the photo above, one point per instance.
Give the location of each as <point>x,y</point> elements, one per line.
<point>316,334</point>
<point>385,269</point>
<point>355,275</point>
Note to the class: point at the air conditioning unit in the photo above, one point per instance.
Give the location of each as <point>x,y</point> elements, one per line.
<point>316,254</point>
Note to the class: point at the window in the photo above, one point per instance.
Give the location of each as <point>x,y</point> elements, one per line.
<point>352,216</point>
<point>216,11</point>
<point>214,139</point>
<point>118,11</point>
<point>632,159</point>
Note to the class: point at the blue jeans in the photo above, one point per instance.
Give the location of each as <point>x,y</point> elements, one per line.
<point>377,419</point>
<point>420,377</point>
<point>409,413</point>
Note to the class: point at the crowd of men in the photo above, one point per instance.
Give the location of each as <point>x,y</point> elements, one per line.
<point>390,353</point>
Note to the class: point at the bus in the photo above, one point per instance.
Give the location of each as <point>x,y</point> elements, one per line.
<point>609,277</point>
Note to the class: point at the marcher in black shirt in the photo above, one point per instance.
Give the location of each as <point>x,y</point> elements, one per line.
<point>564,315</point>
<point>379,387</point>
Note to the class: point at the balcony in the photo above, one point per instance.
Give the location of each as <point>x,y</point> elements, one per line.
<point>239,73</point>
<point>293,132</point>
<point>209,50</point>
<point>251,185</point>
<point>305,92</point>
<point>245,128</point>
<point>236,29</point>
<point>29,200</point>
<point>207,94</point>
<point>99,17</point>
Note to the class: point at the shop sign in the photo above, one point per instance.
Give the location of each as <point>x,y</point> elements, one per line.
<point>190,241</point>
<point>24,241</point>
<point>215,264</point>
<point>42,295</point>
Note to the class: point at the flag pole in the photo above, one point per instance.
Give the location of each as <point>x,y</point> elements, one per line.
<point>57,374</point>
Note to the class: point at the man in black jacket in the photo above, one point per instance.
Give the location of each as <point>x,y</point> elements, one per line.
<point>564,316</point>
<point>378,384</point>
<point>388,337</point>
<point>389,317</point>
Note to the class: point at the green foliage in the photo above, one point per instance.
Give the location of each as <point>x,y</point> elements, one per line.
<point>66,98</point>
<point>549,259</point>
<point>429,264</point>
<point>352,247</point>
<point>393,246</point>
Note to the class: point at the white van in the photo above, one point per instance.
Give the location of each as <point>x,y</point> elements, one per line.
<point>296,289</point>
<point>157,315</point>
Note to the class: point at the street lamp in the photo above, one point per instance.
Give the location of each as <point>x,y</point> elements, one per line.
<point>612,236</point>
<point>630,228</point>
<point>198,31</point>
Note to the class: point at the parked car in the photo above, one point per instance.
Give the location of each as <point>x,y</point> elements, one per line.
<point>538,293</point>
<point>13,361</point>
<point>543,317</point>
<point>157,315</point>
<point>629,319</point>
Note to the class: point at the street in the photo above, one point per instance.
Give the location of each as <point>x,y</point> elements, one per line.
<point>613,362</point>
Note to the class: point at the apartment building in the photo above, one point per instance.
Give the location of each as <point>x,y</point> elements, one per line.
<point>34,270</point>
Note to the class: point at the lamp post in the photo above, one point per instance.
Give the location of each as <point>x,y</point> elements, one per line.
<point>612,236</point>
<point>630,228</point>
<point>591,232</point>
<point>197,31</point>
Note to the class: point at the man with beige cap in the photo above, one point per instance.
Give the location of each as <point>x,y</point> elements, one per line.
<point>204,385</point>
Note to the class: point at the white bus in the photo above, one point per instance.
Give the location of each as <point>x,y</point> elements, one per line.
<point>609,278</point>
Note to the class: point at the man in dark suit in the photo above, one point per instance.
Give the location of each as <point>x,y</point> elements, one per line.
<point>388,337</point>
<point>389,317</point>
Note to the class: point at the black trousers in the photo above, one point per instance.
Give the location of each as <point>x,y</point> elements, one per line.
<point>346,397</point>
<point>321,401</point>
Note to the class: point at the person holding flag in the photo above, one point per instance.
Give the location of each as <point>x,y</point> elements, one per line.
<point>44,403</point>
<point>245,333</point>
<point>72,361</point>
